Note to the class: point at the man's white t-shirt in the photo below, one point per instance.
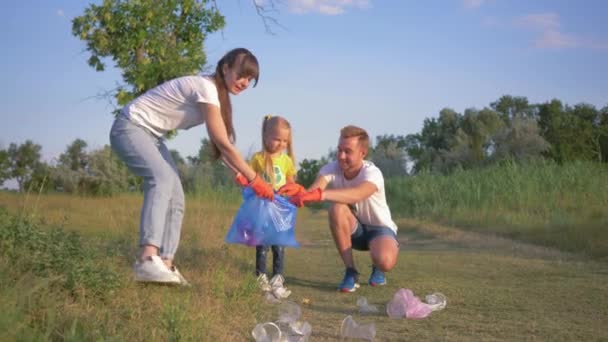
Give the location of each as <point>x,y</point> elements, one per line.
<point>371,211</point>
<point>173,104</point>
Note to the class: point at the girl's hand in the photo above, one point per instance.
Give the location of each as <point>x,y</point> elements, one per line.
<point>291,189</point>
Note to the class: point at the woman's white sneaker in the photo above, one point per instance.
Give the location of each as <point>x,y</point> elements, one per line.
<point>154,270</point>
<point>182,280</point>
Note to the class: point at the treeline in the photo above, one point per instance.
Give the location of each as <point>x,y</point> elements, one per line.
<point>509,129</point>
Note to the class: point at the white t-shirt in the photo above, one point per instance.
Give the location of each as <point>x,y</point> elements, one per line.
<point>371,211</point>
<point>173,104</point>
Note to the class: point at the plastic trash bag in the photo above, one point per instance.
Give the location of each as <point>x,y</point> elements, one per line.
<point>262,222</point>
<point>405,305</point>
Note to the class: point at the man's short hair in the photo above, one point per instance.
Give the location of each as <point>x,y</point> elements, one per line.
<point>354,131</point>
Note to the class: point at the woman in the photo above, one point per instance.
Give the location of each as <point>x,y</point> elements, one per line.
<point>137,138</point>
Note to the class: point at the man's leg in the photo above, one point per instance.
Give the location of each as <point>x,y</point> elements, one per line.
<point>383,251</point>
<point>342,222</point>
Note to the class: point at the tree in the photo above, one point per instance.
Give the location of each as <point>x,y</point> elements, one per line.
<point>150,41</point>
<point>75,157</point>
<point>23,160</point>
<point>5,166</point>
<point>309,168</point>
<point>510,107</point>
<point>389,155</point>
<point>520,140</point>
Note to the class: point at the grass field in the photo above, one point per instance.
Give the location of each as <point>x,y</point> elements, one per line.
<point>497,288</point>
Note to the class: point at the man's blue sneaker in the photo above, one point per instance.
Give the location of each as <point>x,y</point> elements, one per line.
<point>377,277</point>
<point>349,283</point>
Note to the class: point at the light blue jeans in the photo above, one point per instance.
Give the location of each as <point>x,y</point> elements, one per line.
<point>163,208</point>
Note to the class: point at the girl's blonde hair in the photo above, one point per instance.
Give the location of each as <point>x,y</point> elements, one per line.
<point>269,123</point>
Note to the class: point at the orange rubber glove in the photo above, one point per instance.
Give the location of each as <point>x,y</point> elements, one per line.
<point>261,188</point>
<point>291,189</point>
<point>241,180</point>
<point>300,199</point>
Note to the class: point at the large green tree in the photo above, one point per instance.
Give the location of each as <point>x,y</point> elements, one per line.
<point>150,41</point>
<point>24,160</point>
<point>5,166</point>
<point>75,156</point>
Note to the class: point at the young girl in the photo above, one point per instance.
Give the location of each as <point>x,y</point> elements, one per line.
<point>276,164</point>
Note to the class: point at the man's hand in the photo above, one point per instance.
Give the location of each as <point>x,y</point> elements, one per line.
<point>241,180</point>
<point>291,189</point>
<point>300,199</point>
<point>261,188</point>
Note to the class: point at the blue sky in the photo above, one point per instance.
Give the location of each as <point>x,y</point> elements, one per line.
<point>383,65</point>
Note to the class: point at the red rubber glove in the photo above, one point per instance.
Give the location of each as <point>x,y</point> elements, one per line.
<point>300,199</point>
<point>291,189</point>
<point>241,180</point>
<point>261,188</point>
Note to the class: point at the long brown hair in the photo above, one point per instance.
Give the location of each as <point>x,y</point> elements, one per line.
<point>248,67</point>
<point>271,122</point>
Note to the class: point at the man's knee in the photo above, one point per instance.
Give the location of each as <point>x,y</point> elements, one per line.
<point>384,253</point>
<point>340,216</point>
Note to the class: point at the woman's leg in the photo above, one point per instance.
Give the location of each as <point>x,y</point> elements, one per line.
<point>139,149</point>
<point>175,212</point>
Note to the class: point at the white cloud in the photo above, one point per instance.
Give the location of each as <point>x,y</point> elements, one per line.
<point>60,13</point>
<point>326,7</point>
<point>549,34</point>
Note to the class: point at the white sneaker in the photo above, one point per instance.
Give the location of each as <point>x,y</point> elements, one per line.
<point>278,290</point>
<point>182,280</point>
<point>263,283</point>
<point>154,270</point>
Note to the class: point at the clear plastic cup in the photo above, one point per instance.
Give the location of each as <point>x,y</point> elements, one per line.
<point>266,332</point>
<point>350,329</point>
<point>365,307</point>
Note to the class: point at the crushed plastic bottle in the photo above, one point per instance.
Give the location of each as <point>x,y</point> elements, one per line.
<point>365,307</point>
<point>289,312</point>
<point>351,329</point>
<point>437,301</point>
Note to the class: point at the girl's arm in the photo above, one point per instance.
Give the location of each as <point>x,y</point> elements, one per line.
<point>218,135</point>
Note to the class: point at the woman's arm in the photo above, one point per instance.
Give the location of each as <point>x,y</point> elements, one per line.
<point>218,135</point>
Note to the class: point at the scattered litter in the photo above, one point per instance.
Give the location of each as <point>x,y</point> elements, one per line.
<point>350,329</point>
<point>365,307</point>
<point>405,305</point>
<point>288,328</point>
<point>306,301</point>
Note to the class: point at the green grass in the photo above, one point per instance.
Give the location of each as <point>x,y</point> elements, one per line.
<point>497,288</point>
<point>562,206</point>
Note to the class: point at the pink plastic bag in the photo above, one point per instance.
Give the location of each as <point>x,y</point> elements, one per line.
<point>405,305</point>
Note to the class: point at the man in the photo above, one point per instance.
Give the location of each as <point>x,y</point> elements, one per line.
<point>359,216</point>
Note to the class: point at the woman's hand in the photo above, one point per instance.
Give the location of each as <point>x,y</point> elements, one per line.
<point>261,188</point>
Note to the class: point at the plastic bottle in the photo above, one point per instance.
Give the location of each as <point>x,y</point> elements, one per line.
<point>350,329</point>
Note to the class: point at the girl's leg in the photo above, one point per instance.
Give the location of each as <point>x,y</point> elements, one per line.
<point>260,259</point>
<point>278,256</point>
<point>139,149</point>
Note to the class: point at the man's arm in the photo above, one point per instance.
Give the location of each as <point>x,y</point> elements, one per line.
<point>350,195</point>
<point>345,195</point>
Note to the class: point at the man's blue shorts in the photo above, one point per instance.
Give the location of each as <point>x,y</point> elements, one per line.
<point>364,233</point>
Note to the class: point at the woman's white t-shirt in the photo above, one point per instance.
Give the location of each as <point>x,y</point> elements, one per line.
<point>371,211</point>
<point>173,104</point>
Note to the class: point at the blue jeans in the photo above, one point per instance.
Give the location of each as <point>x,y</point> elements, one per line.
<point>278,253</point>
<point>163,209</point>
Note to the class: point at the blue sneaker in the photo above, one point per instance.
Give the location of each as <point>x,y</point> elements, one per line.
<point>349,283</point>
<point>377,277</point>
